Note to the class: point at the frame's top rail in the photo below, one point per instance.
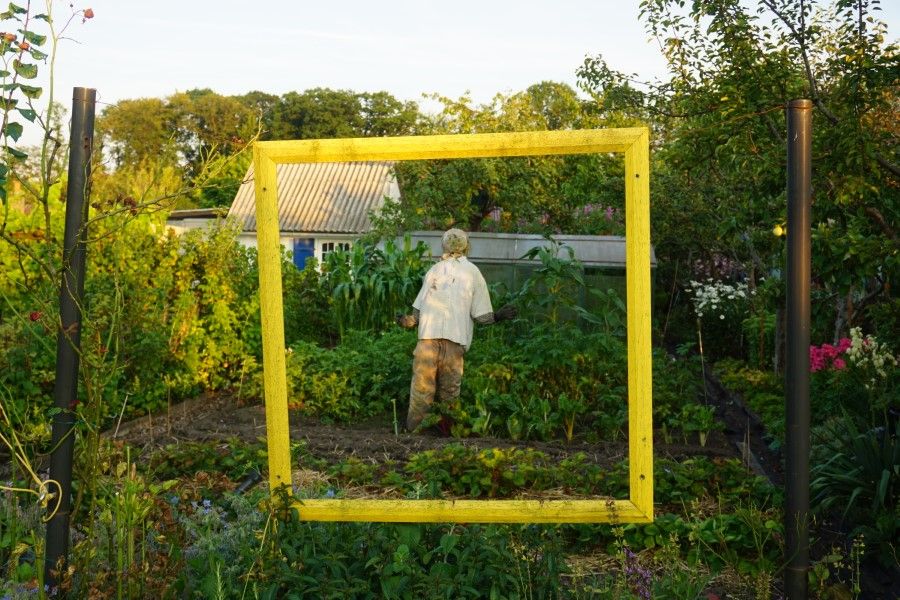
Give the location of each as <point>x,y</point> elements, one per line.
<point>479,145</point>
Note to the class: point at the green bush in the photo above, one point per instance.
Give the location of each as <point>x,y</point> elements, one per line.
<point>369,560</point>
<point>361,377</point>
<point>307,307</point>
<point>165,316</point>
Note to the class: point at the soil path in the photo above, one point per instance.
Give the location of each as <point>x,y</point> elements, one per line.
<point>210,418</point>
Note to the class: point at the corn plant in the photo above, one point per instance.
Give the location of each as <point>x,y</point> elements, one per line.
<point>369,286</point>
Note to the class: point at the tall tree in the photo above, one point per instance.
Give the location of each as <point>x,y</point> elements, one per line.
<point>528,194</point>
<point>719,124</point>
<point>132,131</point>
<point>209,123</point>
<point>326,113</point>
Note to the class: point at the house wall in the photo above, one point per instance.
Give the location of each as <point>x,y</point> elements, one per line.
<point>508,248</point>
<point>248,239</point>
<point>180,226</point>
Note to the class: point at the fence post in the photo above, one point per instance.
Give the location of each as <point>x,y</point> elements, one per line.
<point>797,414</point>
<point>68,341</point>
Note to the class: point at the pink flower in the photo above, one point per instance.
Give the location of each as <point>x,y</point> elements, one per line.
<point>827,356</point>
<point>816,359</point>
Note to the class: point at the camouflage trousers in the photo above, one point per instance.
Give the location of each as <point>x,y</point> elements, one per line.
<point>437,372</point>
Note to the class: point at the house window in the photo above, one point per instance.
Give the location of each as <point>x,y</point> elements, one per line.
<point>329,247</point>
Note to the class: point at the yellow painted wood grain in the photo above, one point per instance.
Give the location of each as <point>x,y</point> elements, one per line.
<point>268,239</point>
<point>634,143</point>
<point>637,285</point>
<point>471,511</point>
<point>527,143</point>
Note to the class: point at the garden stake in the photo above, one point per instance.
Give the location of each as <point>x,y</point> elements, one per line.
<point>702,362</point>
<point>796,510</point>
<point>68,343</point>
<point>396,423</point>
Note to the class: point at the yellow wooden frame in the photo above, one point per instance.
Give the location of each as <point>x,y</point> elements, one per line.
<point>634,144</point>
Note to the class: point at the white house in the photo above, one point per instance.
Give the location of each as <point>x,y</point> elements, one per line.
<point>321,206</point>
<point>184,220</point>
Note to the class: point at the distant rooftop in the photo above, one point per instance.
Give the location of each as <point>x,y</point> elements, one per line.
<point>321,197</point>
<point>197,213</point>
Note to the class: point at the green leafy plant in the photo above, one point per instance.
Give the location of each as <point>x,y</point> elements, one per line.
<point>550,293</point>
<point>362,376</point>
<point>369,286</point>
<point>697,418</point>
<point>859,477</point>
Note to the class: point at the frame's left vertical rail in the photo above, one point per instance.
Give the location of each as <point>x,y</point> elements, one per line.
<point>271,306</point>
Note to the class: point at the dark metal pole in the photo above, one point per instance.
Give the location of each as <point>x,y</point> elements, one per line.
<point>796,510</point>
<point>68,342</point>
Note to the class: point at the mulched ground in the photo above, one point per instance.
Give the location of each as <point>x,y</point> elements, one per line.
<point>222,417</point>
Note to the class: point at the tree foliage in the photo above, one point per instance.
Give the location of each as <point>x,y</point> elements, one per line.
<point>718,118</point>
<point>326,113</point>
<point>181,135</point>
<point>516,194</point>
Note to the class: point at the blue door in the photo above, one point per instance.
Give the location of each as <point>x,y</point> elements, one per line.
<point>304,248</point>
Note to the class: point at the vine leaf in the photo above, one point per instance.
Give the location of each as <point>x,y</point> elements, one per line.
<point>13,130</point>
<point>31,91</point>
<point>16,153</point>
<point>25,70</point>
<point>35,38</point>
<point>28,114</point>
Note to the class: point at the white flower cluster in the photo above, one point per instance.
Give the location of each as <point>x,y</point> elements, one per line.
<point>864,351</point>
<point>711,296</point>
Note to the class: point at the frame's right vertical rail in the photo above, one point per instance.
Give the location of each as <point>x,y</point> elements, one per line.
<point>640,355</point>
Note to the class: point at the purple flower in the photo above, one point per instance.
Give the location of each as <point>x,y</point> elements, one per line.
<point>639,579</point>
<point>610,213</point>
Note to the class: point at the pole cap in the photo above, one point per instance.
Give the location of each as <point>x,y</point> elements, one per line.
<point>801,103</point>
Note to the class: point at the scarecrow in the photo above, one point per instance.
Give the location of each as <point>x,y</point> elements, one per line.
<point>454,296</point>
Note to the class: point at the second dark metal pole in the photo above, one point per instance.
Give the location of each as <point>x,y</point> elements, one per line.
<point>68,342</point>
<point>797,414</point>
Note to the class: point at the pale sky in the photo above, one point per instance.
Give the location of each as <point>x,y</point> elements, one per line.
<point>133,49</point>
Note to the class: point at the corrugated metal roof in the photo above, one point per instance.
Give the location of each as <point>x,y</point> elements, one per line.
<point>321,197</point>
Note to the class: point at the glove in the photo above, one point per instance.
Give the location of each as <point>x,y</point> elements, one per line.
<point>406,321</point>
<point>505,313</point>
